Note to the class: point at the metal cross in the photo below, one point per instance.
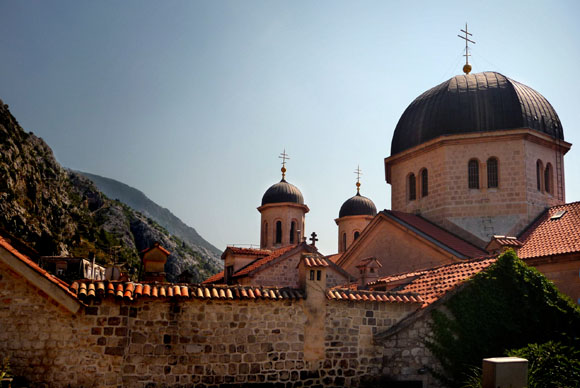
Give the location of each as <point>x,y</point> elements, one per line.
<point>284,156</point>
<point>467,41</point>
<point>358,173</point>
<point>313,239</point>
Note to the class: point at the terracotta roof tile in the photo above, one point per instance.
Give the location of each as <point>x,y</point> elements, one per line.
<point>378,296</point>
<point>265,260</point>
<point>26,260</point>
<point>548,237</point>
<point>156,245</point>
<point>435,232</point>
<point>507,241</point>
<point>315,262</point>
<point>131,291</point>
<point>430,285</point>
<point>249,251</point>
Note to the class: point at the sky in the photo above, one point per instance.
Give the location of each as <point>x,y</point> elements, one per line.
<point>192,102</point>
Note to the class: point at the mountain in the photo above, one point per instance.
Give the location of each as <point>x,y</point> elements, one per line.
<point>57,211</point>
<point>140,202</point>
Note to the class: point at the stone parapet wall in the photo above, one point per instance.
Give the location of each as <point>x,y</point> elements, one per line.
<point>171,342</point>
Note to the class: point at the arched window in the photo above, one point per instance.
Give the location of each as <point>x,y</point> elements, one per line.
<point>424,183</point>
<point>278,232</point>
<point>356,234</point>
<point>492,176</point>
<point>539,170</point>
<point>412,187</point>
<point>473,174</point>
<point>292,232</point>
<point>548,179</point>
<point>344,242</point>
<point>265,234</point>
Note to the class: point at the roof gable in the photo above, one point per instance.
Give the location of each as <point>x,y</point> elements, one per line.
<point>48,283</point>
<point>549,235</point>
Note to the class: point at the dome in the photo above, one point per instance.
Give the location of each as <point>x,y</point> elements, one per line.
<point>282,192</point>
<point>357,206</point>
<point>474,103</point>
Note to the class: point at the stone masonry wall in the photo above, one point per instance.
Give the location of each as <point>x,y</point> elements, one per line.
<point>406,357</point>
<point>184,343</point>
<point>476,214</point>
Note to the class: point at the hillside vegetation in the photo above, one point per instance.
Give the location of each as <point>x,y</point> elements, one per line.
<point>60,212</point>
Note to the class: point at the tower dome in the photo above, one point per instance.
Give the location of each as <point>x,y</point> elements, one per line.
<point>357,206</point>
<point>283,192</point>
<point>471,103</point>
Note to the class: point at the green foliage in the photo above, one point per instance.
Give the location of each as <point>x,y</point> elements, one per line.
<point>506,307</point>
<point>551,365</point>
<point>5,370</point>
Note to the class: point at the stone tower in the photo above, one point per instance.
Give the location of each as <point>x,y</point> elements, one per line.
<point>354,215</point>
<point>283,212</point>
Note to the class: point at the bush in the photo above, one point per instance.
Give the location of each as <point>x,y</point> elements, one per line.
<point>551,365</point>
<point>508,306</point>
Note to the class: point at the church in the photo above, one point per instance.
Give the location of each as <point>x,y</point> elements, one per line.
<point>476,166</point>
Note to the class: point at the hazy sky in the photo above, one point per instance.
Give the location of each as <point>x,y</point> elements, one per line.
<point>192,101</point>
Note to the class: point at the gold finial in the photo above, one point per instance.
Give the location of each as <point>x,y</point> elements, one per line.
<point>467,66</point>
<point>358,173</point>
<point>284,156</point>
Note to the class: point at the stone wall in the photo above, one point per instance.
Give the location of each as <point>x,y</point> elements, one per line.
<point>476,214</point>
<point>406,357</point>
<point>173,342</point>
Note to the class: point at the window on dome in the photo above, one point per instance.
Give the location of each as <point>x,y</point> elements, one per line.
<point>356,234</point>
<point>492,176</point>
<point>292,232</point>
<point>412,187</point>
<point>473,174</point>
<point>548,186</point>
<point>424,183</point>
<point>278,232</point>
<point>539,170</point>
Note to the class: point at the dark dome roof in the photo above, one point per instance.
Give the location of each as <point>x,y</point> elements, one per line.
<point>357,206</point>
<point>282,192</point>
<point>474,103</point>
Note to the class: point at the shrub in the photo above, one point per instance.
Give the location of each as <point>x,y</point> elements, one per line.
<point>508,306</point>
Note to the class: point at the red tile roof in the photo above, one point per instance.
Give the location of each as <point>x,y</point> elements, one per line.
<point>130,291</point>
<point>348,294</point>
<point>26,260</point>
<point>158,246</point>
<point>507,241</point>
<point>263,261</point>
<point>254,265</point>
<point>433,283</point>
<point>315,262</point>
<point>249,251</point>
<point>548,237</point>
<point>433,231</point>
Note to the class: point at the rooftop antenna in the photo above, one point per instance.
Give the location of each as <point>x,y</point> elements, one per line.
<point>467,67</point>
<point>358,173</point>
<point>284,156</point>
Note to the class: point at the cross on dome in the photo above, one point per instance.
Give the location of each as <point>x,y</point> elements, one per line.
<point>358,173</point>
<point>467,67</point>
<point>284,156</point>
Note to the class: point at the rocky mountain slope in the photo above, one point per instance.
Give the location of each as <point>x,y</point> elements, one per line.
<point>140,202</point>
<point>60,212</point>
